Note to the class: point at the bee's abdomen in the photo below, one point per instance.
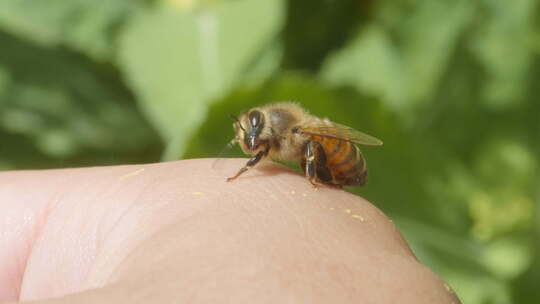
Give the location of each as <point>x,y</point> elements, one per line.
<point>344,161</point>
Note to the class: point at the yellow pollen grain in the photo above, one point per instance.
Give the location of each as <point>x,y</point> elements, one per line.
<point>331,208</point>
<point>358,217</point>
<point>348,211</point>
<point>197,193</point>
<point>448,288</point>
<point>130,174</point>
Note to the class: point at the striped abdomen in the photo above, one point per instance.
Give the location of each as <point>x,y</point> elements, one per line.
<point>343,160</point>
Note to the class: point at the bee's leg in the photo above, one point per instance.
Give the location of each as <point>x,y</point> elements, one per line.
<point>310,163</point>
<point>251,163</point>
<point>315,165</point>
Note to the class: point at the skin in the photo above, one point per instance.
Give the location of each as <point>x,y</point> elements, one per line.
<point>179,233</point>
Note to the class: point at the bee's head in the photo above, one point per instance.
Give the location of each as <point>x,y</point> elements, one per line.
<point>248,130</point>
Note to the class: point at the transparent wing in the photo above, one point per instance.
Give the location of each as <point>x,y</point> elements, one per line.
<point>342,132</point>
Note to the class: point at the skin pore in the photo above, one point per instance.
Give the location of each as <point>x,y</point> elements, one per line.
<point>179,233</point>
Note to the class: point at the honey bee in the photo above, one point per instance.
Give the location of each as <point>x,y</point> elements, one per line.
<point>326,151</point>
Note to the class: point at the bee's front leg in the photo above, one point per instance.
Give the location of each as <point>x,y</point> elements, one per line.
<point>251,163</point>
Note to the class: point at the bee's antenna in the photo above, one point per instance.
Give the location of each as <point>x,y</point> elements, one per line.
<point>238,122</point>
<point>225,149</point>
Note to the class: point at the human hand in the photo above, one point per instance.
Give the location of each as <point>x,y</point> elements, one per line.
<point>178,233</point>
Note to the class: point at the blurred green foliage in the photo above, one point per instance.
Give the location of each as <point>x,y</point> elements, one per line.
<point>452,87</point>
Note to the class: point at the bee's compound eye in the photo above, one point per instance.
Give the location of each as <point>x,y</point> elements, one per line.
<point>255,118</point>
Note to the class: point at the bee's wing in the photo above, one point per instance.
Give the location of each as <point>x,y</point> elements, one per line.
<point>342,132</point>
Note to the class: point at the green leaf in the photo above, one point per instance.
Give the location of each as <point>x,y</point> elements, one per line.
<point>506,32</point>
<point>178,61</point>
<point>86,26</point>
<point>405,75</point>
<point>79,115</point>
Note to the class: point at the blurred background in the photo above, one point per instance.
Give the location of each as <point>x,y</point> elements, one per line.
<point>452,87</point>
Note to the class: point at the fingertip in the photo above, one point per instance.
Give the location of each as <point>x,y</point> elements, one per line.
<point>327,225</point>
